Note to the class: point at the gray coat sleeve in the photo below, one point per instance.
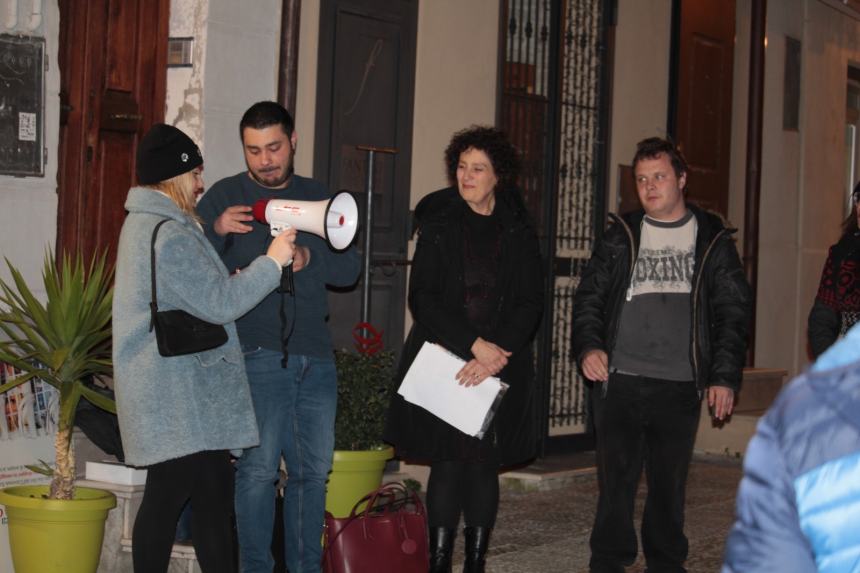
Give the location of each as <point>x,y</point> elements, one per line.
<point>191,277</point>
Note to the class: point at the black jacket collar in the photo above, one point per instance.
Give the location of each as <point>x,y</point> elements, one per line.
<point>446,205</point>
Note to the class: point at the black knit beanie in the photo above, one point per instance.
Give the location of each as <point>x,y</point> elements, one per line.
<point>165,152</point>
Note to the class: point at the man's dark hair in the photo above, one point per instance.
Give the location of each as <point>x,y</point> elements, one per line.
<point>653,147</point>
<point>264,114</point>
<point>493,142</point>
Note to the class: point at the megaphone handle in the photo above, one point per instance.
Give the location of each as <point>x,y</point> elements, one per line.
<point>277,228</point>
<point>287,286</point>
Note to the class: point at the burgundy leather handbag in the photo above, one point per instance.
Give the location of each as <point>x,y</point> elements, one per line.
<point>386,532</point>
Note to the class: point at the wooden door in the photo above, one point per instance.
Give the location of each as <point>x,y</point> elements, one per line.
<point>364,97</point>
<point>112,87</point>
<point>703,92</point>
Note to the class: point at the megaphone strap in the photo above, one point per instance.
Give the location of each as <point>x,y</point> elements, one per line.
<point>287,289</point>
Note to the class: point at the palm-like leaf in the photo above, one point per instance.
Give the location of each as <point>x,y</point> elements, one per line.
<point>63,342</point>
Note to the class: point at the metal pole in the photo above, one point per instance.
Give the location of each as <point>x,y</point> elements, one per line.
<point>368,240</point>
<point>368,229</point>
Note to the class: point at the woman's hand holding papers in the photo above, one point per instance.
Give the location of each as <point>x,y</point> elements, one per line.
<point>473,373</point>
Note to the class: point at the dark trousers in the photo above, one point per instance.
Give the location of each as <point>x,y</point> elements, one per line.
<point>651,422</point>
<point>204,478</point>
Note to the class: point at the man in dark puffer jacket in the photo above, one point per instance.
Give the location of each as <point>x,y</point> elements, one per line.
<point>660,318</point>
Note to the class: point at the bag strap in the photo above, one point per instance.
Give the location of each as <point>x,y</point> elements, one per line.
<point>153,305</point>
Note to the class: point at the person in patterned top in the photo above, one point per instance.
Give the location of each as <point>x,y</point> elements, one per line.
<point>837,304</point>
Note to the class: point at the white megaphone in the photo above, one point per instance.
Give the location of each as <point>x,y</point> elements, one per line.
<point>335,219</point>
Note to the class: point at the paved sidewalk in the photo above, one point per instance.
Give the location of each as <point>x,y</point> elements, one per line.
<point>546,530</point>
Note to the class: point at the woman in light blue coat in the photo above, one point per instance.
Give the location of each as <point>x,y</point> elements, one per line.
<point>180,416</point>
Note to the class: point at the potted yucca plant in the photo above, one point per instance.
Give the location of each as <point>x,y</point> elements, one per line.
<point>63,341</point>
<point>365,381</point>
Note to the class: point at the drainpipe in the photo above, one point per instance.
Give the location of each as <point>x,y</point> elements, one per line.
<point>288,64</point>
<point>752,198</point>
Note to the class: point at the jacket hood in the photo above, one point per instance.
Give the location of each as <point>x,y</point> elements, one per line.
<point>835,376</point>
<point>840,390</point>
<point>150,201</point>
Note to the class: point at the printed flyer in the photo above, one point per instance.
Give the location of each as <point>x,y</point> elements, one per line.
<point>28,422</point>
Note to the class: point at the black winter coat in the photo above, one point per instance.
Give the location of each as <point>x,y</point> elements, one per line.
<point>720,307</point>
<point>437,302</point>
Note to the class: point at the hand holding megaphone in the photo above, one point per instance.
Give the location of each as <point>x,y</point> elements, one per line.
<point>335,219</point>
<point>283,248</point>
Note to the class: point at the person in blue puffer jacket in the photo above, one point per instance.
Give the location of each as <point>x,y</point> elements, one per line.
<point>798,506</point>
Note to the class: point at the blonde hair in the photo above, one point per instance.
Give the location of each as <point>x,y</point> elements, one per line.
<point>181,190</point>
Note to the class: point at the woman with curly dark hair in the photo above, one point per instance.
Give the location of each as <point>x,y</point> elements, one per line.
<point>475,289</point>
<point>837,303</point>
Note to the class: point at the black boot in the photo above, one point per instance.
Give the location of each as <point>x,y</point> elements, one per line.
<point>477,541</point>
<point>441,547</point>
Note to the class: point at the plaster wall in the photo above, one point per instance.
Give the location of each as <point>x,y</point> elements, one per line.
<point>802,172</point>
<point>640,81</point>
<point>241,50</point>
<point>455,86</point>
<point>184,101</point>
<point>781,306</point>
<point>831,42</point>
<point>306,87</point>
<point>455,81</point>
<point>28,218</point>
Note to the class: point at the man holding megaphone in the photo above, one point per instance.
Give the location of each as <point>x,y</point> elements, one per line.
<point>285,339</point>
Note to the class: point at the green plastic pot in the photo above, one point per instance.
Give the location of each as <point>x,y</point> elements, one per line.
<point>353,476</point>
<point>53,535</point>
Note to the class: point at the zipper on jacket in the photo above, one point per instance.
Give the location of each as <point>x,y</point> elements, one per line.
<point>628,293</point>
<point>701,271</point>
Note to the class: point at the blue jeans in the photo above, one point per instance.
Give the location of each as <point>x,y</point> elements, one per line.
<point>295,410</point>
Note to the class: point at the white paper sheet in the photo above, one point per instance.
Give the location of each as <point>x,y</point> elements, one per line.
<point>431,384</point>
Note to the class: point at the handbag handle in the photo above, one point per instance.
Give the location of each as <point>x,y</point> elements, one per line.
<point>384,491</point>
<point>390,491</point>
<point>387,491</point>
<point>153,305</point>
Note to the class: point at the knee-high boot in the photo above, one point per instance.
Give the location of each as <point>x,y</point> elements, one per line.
<point>477,540</point>
<point>441,548</point>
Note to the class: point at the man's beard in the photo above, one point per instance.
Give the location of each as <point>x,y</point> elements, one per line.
<point>277,183</point>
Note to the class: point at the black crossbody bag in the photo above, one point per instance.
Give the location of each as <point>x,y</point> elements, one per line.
<point>177,332</point>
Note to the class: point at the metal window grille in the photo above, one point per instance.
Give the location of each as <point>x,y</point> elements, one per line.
<point>554,107</point>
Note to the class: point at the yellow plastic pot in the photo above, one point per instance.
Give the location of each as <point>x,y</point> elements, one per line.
<point>354,475</point>
<point>52,535</point>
